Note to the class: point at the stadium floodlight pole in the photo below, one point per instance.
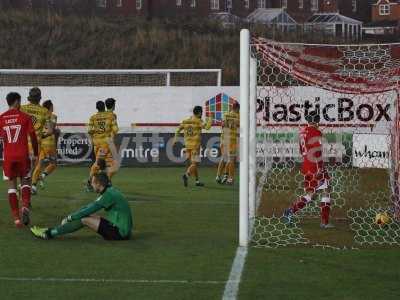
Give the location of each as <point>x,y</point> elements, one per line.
<point>253,140</point>
<point>244,137</point>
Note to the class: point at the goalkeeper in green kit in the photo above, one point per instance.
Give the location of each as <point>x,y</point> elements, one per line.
<point>117,225</point>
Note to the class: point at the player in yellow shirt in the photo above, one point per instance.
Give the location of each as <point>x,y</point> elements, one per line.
<point>100,129</point>
<point>192,128</point>
<point>110,105</point>
<point>229,146</point>
<point>48,149</point>
<point>38,114</point>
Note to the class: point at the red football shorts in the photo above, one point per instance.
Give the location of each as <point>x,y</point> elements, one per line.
<point>16,168</point>
<point>316,181</point>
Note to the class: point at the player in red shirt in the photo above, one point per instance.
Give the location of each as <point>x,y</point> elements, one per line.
<point>316,178</point>
<point>15,128</point>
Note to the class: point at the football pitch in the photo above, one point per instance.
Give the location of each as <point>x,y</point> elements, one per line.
<point>183,246</point>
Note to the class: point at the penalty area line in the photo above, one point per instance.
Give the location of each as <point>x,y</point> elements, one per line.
<point>106,280</point>
<point>232,285</point>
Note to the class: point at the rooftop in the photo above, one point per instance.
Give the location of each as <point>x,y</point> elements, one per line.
<point>332,18</point>
<point>270,16</point>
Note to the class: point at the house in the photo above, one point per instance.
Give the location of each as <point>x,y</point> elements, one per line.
<point>386,10</point>
<point>335,24</point>
<point>226,19</point>
<point>76,6</point>
<point>356,9</point>
<point>300,10</point>
<point>385,18</point>
<point>14,4</point>
<point>176,8</point>
<point>334,17</point>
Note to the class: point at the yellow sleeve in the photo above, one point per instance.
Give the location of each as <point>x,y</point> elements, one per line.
<point>53,122</point>
<point>91,127</point>
<point>115,129</point>
<point>179,130</point>
<point>46,117</point>
<point>110,126</point>
<point>42,118</point>
<point>114,125</point>
<point>208,124</point>
<point>23,108</point>
<point>224,121</point>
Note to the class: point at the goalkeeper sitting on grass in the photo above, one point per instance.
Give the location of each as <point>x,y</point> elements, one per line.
<point>117,225</point>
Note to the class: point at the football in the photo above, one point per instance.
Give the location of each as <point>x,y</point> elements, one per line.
<point>382,218</point>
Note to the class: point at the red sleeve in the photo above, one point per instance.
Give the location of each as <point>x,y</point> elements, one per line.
<point>1,129</point>
<point>32,135</point>
<point>314,138</point>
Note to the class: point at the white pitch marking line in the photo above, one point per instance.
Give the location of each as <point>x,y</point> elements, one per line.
<point>104,280</point>
<point>232,285</point>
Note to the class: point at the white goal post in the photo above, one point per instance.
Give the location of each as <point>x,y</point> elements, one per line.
<point>248,94</point>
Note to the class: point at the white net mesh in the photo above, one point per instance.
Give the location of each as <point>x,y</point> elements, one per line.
<point>110,78</point>
<point>353,91</point>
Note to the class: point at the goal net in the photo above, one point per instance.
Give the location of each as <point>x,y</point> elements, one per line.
<point>353,91</point>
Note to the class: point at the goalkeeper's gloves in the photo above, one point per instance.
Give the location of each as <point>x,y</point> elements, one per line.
<point>66,220</point>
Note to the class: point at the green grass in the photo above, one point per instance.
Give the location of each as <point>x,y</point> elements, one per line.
<point>321,274</point>
<point>180,234</point>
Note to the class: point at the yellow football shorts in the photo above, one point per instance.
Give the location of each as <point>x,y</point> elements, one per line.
<point>193,155</point>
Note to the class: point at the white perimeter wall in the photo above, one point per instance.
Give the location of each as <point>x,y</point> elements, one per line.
<point>134,104</point>
<point>166,105</point>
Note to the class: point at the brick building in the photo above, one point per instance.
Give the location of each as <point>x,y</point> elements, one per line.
<point>172,8</point>
<point>356,9</point>
<point>300,10</point>
<point>77,6</point>
<point>386,10</point>
<point>385,18</point>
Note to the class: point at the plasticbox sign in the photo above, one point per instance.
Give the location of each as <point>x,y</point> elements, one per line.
<point>371,151</point>
<point>287,106</point>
